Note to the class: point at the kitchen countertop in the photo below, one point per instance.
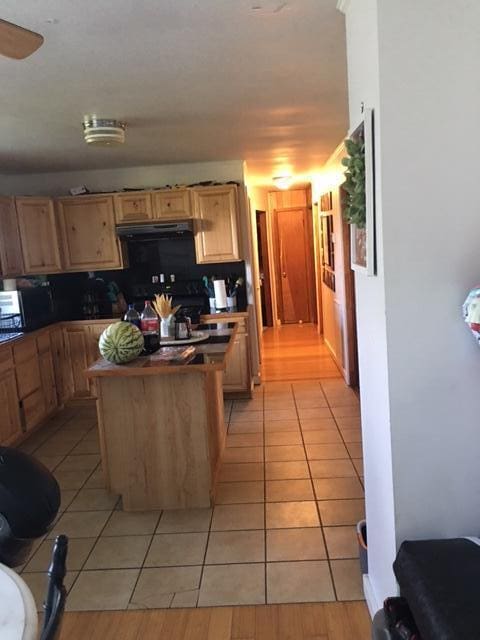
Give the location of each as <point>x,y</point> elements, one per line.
<point>208,356</point>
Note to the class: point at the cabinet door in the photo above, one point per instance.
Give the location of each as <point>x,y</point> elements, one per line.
<point>10,424</point>
<point>216,227</point>
<point>61,365</point>
<point>133,207</point>
<point>47,374</point>
<point>236,376</point>
<point>27,368</point>
<point>173,204</point>
<point>11,260</point>
<point>38,235</point>
<point>94,332</point>
<point>76,343</point>
<point>88,234</point>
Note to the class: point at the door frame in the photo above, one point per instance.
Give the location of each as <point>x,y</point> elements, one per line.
<point>266,285</point>
<point>310,262</point>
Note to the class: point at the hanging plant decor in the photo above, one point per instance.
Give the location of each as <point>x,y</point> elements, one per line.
<point>355,210</point>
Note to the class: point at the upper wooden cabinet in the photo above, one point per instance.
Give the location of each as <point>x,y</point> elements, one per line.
<point>135,206</point>
<point>38,235</point>
<point>87,225</point>
<point>216,224</point>
<point>11,261</point>
<point>172,204</point>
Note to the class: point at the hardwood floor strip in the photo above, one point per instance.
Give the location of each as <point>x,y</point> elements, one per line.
<point>243,623</point>
<point>220,626</point>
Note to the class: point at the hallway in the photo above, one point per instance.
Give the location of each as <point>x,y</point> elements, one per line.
<point>296,352</point>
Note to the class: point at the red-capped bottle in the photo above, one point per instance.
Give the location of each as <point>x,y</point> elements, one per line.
<point>150,327</point>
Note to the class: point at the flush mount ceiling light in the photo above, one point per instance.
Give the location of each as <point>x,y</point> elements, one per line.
<point>282,182</point>
<point>103,132</point>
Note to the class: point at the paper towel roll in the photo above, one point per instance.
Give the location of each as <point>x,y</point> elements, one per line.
<point>220,294</point>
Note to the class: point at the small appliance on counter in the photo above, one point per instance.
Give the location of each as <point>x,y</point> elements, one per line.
<point>26,309</point>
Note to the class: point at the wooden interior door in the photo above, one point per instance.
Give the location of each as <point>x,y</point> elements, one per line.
<point>294,265</point>
<point>350,305</point>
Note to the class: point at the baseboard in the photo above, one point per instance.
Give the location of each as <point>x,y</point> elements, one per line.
<point>373,603</point>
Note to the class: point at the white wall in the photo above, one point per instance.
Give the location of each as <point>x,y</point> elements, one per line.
<point>56,184</point>
<point>363,86</point>
<point>416,64</point>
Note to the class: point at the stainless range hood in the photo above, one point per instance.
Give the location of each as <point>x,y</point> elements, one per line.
<point>134,232</point>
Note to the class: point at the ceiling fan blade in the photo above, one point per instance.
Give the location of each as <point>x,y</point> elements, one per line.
<point>17,42</point>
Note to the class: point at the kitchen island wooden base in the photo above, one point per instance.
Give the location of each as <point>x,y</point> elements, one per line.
<point>161,437</point>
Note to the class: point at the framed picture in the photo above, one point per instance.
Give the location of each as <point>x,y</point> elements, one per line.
<point>362,240</point>
<point>326,201</point>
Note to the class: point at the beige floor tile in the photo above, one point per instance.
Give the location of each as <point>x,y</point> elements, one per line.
<point>184,521</point>
<point>286,515</point>
<point>275,404</point>
<point>80,524</point>
<point>332,469</point>
<point>102,590</point>
<point>246,416</point>
<point>78,550</point>
<point>289,490</point>
<point>326,451</point>
<point>157,588</point>
<point>96,480</point>
<point>70,480</point>
<point>348,579</point>
<point>37,583</point>
<point>299,582</point>
<point>286,453</point>
<point>247,471</point>
<point>185,599</point>
<point>355,449</point>
<point>86,446</point>
<point>120,552</point>
<point>358,464</point>
<point>255,404</point>
<point>51,462</point>
<point>240,492</point>
<point>227,547</point>
<point>245,427</point>
<point>280,414</point>
<point>341,542</point>
<point>283,438</point>
<point>341,512</point>
<point>93,500</point>
<point>232,584</point>
<point>348,423</point>
<point>317,413</point>
<point>245,440</point>
<point>311,402</point>
<point>326,436</point>
<point>238,517</point>
<point>295,544</point>
<point>131,523</point>
<point>66,498</point>
<point>349,411</point>
<point>352,435</point>
<point>286,470</point>
<point>52,448</point>
<point>317,424</point>
<point>84,462</point>
<point>277,426</point>
<point>177,549</point>
<point>337,488</point>
<point>242,454</point>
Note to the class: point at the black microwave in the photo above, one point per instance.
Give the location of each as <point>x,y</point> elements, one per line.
<point>26,309</point>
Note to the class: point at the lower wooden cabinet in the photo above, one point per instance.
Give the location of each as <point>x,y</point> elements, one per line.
<point>62,370</point>
<point>77,353</point>
<point>47,374</point>
<point>10,423</point>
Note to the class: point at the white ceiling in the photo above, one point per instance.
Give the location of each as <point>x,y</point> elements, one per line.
<point>196,80</point>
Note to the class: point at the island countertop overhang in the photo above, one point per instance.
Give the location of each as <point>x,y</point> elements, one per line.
<point>213,354</point>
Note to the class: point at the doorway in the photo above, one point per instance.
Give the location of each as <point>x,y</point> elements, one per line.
<point>264,268</point>
<point>293,254</point>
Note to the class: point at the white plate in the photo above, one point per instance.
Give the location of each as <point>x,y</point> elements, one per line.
<point>197,336</point>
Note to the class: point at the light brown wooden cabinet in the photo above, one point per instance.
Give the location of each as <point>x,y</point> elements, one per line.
<point>11,260</point>
<point>216,224</point>
<point>38,235</point>
<point>47,374</point>
<point>77,352</point>
<point>135,206</point>
<point>172,204</point>
<point>10,424</point>
<point>61,365</point>
<point>87,225</point>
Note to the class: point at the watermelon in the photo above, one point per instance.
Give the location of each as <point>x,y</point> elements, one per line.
<point>121,342</point>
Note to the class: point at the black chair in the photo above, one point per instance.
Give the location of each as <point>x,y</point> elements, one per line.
<point>54,604</point>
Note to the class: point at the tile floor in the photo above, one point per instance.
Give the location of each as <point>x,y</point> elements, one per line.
<point>283,526</point>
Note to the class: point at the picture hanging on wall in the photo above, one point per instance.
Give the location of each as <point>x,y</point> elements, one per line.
<point>326,201</point>
<point>359,189</point>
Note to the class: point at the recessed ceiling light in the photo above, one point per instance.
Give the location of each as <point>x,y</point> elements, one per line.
<point>103,132</point>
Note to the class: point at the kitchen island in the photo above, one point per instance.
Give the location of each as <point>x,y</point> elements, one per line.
<point>161,425</point>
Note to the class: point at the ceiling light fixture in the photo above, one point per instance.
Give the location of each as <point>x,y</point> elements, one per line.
<point>103,131</point>
<point>282,182</point>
